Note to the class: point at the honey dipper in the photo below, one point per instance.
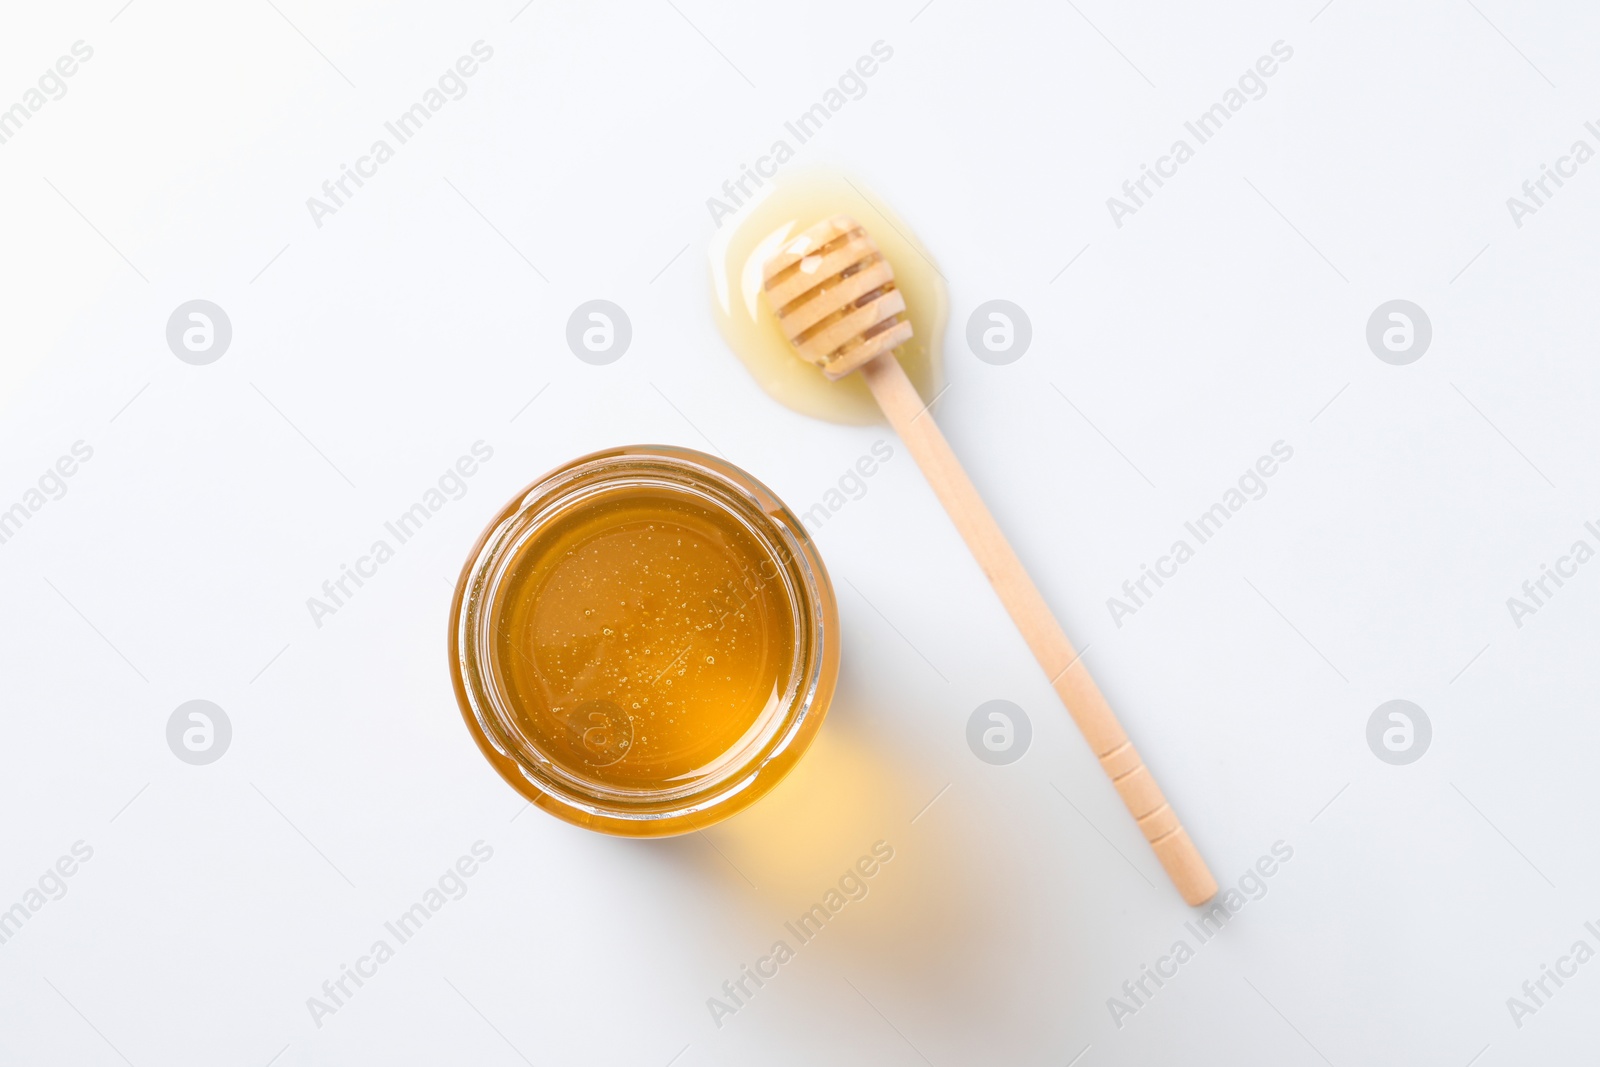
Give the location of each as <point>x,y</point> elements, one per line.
<point>835,298</point>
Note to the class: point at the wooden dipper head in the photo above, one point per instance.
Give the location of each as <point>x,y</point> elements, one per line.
<point>835,297</point>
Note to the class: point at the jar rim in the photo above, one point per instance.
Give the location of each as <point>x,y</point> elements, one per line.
<point>735,777</point>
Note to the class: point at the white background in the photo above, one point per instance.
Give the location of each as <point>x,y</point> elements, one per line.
<point>370,353</point>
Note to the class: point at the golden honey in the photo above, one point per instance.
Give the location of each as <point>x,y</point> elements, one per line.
<point>741,248</point>
<point>643,636</point>
<point>644,641</point>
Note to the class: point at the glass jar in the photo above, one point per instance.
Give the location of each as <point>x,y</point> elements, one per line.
<point>566,629</point>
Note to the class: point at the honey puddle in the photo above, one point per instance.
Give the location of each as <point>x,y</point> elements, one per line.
<point>790,205</point>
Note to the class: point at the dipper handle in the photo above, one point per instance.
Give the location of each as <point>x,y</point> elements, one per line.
<point>912,421</point>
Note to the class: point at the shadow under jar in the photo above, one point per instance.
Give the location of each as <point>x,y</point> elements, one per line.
<point>644,641</point>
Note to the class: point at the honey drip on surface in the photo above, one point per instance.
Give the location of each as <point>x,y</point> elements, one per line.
<point>642,637</point>
<point>789,206</point>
